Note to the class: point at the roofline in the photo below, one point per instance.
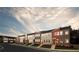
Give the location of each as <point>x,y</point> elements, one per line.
<point>50,30</point>
<point>7,36</point>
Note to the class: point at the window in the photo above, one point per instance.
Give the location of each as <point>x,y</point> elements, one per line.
<point>67,32</point>
<point>61,32</point>
<point>44,40</point>
<point>49,41</point>
<point>67,41</point>
<point>61,41</point>
<point>57,39</point>
<point>56,33</point>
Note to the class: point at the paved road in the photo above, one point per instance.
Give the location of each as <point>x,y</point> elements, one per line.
<point>14,48</point>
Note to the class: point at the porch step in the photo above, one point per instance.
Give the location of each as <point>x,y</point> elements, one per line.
<point>40,45</point>
<point>53,47</point>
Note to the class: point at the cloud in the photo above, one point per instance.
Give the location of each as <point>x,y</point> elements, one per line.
<point>36,19</point>
<point>24,17</point>
<point>44,18</point>
<point>74,22</point>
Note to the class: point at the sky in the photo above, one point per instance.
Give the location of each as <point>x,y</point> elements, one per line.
<point>15,21</point>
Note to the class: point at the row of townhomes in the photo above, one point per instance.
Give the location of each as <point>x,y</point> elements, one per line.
<point>63,36</point>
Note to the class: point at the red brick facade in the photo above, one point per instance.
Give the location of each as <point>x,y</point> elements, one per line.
<point>56,37</point>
